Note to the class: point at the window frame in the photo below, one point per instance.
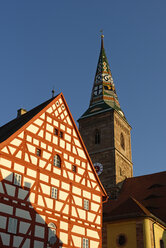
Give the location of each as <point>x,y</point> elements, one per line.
<point>15,180</point>
<point>40,152</point>
<point>10,228</point>
<point>85,243</point>
<point>57,162</point>
<point>52,195</point>
<point>86,203</point>
<point>51,226</point>
<point>74,168</point>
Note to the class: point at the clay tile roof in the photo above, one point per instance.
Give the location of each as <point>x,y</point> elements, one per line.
<point>11,127</point>
<point>123,210</point>
<point>148,192</point>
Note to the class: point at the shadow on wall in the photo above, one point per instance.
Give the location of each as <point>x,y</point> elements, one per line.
<point>163,240</point>
<point>21,225</point>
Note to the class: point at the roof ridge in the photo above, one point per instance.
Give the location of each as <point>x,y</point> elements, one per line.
<point>15,124</point>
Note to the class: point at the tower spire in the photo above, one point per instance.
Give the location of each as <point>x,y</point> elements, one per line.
<point>102,39</point>
<point>103,88</point>
<point>103,96</point>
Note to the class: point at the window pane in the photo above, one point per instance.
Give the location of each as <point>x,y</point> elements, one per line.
<point>57,161</point>
<point>56,131</point>
<point>17,179</point>
<point>61,134</point>
<point>54,192</point>
<point>38,152</point>
<point>12,225</point>
<point>51,233</point>
<point>86,204</point>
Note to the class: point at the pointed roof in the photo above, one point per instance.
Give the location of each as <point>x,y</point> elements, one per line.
<point>17,125</point>
<point>12,126</point>
<point>103,95</point>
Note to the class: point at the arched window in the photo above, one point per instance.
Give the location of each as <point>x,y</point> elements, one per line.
<point>161,243</point>
<point>97,137</point>
<point>57,161</point>
<point>51,233</point>
<point>122,141</point>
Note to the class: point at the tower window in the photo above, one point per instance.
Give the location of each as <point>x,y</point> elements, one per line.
<point>97,137</point>
<point>122,141</point>
<point>51,233</point>
<point>57,161</point>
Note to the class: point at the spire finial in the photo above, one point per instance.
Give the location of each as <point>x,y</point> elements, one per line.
<point>53,92</point>
<point>102,38</point>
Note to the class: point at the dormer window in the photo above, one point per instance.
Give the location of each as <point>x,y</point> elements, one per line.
<point>97,137</point>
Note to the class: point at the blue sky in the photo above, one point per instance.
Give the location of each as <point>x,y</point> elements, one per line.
<point>46,44</point>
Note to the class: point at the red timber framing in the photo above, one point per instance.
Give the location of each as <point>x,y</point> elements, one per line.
<point>45,176</point>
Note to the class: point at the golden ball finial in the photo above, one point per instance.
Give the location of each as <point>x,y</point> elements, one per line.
<point>102,35</point>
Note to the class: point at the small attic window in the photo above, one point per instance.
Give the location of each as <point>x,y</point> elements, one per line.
<point>38,152</point>
<point>74,168</point>
<point>56,131</point>
<point>61,134</point>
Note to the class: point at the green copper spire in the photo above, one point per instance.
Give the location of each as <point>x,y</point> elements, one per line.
<point>103,95</point>
<point>103,88</point>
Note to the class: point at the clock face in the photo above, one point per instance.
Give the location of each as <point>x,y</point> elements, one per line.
<point>98,168</point>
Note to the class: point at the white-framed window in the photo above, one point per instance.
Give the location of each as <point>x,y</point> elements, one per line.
<point>17,179</point>
<point>57,160</point>
<point>12,225</point>
<point>85,243</point>
<point>86,204</point>
<point>51,233</point>
<point>54,193</point>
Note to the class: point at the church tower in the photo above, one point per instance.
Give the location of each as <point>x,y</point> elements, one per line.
<point>105,130</point>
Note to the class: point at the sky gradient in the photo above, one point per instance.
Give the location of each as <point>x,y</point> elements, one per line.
<point>56,44</point>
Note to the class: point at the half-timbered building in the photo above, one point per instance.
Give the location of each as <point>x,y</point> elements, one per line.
<point>50,194</point>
